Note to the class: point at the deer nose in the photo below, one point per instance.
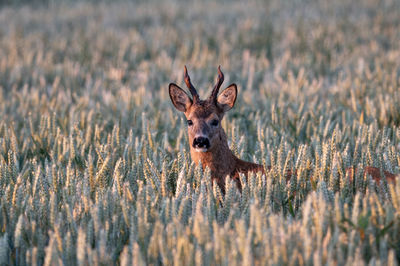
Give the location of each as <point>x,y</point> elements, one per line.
<point>201,142</point>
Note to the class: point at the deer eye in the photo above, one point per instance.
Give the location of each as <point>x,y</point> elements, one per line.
<point>190,123</point>
<point>214,122</point>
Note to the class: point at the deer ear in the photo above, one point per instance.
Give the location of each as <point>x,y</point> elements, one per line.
<point>179,98</point>
<point>227,98</point>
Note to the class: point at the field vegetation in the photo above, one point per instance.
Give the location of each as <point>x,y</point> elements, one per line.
<point>94,160</point>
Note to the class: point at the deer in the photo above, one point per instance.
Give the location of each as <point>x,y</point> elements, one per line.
<point>209,143</point>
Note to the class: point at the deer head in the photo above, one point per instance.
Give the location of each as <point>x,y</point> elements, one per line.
<point>204,116</point>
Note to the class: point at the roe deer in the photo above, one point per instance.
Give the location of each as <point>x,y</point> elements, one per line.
<point>208,141</point>
<point>207,138</point>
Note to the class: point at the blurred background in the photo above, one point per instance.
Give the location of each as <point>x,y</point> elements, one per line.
<point>141,46</point>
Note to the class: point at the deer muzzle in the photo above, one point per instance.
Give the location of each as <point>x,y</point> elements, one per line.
<point>201,144</point>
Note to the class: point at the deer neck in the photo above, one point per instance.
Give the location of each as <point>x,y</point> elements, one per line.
<point>219,158</point>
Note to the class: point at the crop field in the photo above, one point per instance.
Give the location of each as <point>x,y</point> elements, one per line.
<point>95,167</point>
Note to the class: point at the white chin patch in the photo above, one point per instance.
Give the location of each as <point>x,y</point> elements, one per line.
<point>201,149</point>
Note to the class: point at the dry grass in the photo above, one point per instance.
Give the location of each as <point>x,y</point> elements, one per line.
<point>94,162</point>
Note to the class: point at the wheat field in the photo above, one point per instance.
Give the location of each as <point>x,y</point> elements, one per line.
<point>95,166</point>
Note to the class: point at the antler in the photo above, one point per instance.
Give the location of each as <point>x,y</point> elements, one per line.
<point>191,87</point>
<point>214,93</point>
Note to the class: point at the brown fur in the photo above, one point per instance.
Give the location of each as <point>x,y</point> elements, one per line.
<point>222,163</point>
<point>374,172</point>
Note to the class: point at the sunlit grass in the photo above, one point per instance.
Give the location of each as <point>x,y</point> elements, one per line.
<point>94,160</point>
